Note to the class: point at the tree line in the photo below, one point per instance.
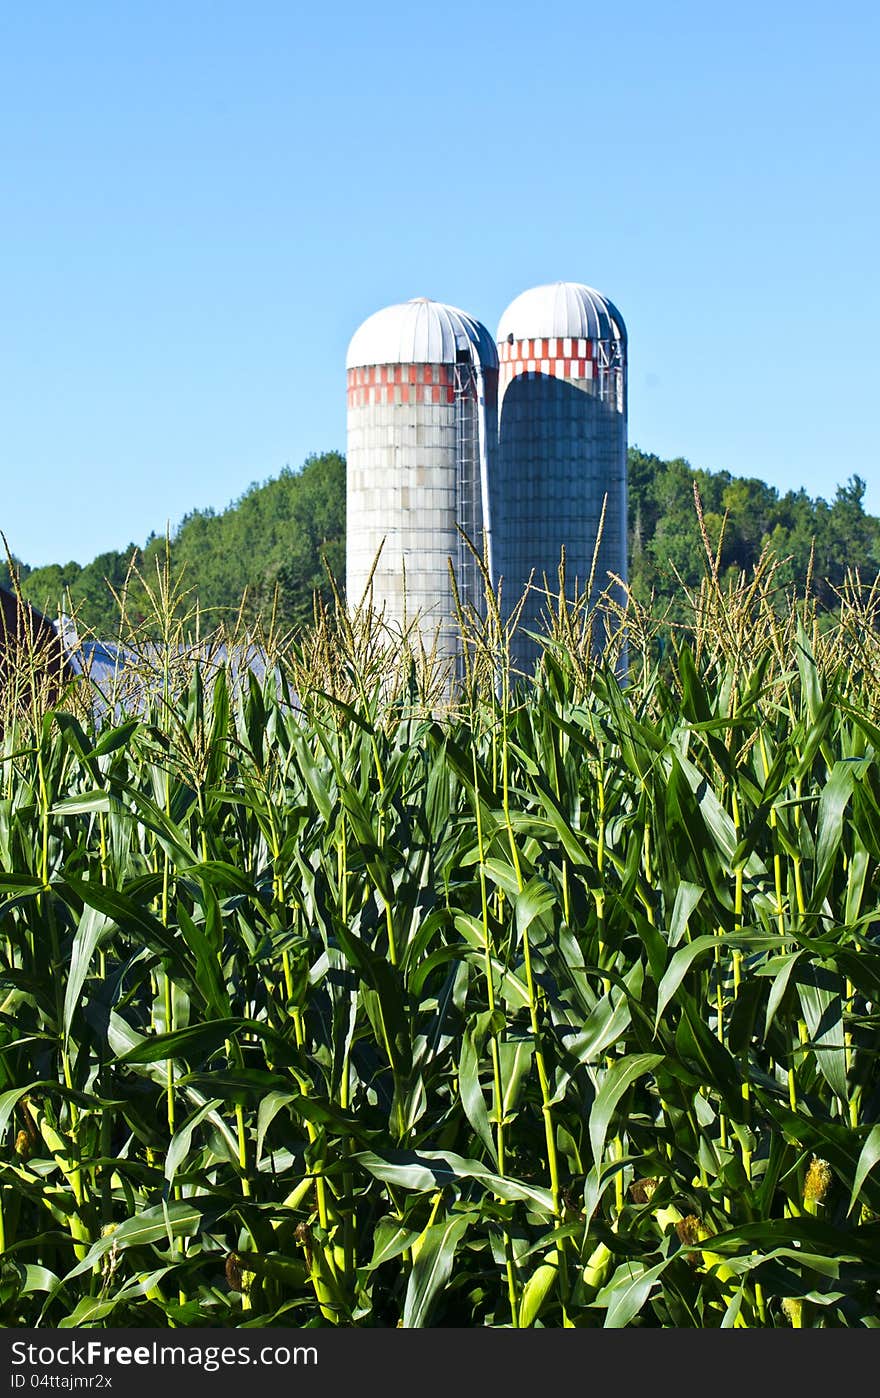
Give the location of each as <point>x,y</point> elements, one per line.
<point>277,546</point>
<point>272,547</point>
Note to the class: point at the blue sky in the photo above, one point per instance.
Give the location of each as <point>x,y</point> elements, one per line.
<point>201,201</point>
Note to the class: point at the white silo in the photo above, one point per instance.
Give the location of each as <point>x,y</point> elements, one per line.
<point>422,414</point>
<point>562,447</point>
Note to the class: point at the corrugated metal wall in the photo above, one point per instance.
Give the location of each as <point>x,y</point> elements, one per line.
<point>401,488</point>
<point>562,450</point>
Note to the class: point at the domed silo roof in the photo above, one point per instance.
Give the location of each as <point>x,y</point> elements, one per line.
<point>562,310</point>
<point>420,332</point>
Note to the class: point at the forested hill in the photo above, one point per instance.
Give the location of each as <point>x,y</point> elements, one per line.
<point>664,535</point>
<point>274,540</point>
<point>274,537</point>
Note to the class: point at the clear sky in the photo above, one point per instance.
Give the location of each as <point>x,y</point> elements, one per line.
<point>201,200</point>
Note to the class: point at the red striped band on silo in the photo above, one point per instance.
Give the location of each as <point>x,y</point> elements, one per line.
<point>558,358</point>
<point>400,383</point>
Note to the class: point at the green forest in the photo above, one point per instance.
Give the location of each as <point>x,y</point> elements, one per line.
<point>276,544</point>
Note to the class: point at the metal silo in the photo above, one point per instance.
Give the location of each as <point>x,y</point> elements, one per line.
<point>422,415</point>
<point>562,447</point>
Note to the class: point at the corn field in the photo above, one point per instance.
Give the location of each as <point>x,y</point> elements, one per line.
<point>344,996</point>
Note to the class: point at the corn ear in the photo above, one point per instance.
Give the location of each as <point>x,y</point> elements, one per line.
<point>598,1267</point>
<point>537,1289</point>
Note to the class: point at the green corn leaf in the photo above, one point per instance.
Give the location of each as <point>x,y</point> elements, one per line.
<point>427,1170</point>
<point>126,912</point>
<point>179,1145</point>
<point>219,873</point>
<point>9,1101</point>
<point>617,1080</point>
<point>389,1241</point>
<point>471,1092</point>
<point>208,972</point>
<point>502,875</point>
<point>821,993</point>
<point>811,689</point>
<point>603,1027</point>
<point>678,968</point>
<point>627,1291</point>
<point>88,1312</point>
<point>857,875</point>
<point>697,1045</point>
<point>733,1308</point>
<point>39,1279</point>
<point>85,803</point>
<point>170,835</point>
<point>687,897</point>
<point>832,805</point>
<point>93,925</point>
<point>200,1041</point>
<point>717,821</point>
<point>432,1267</point>
<point>20,883</point>
<point>867,1160</point>
<point>536,899</point>
<point>515,1059</point>
<point>244,1085</point>
<point>270,1106</point>
<point>781,968</point>
<point>159,1224</point>
<point>116,738</point>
